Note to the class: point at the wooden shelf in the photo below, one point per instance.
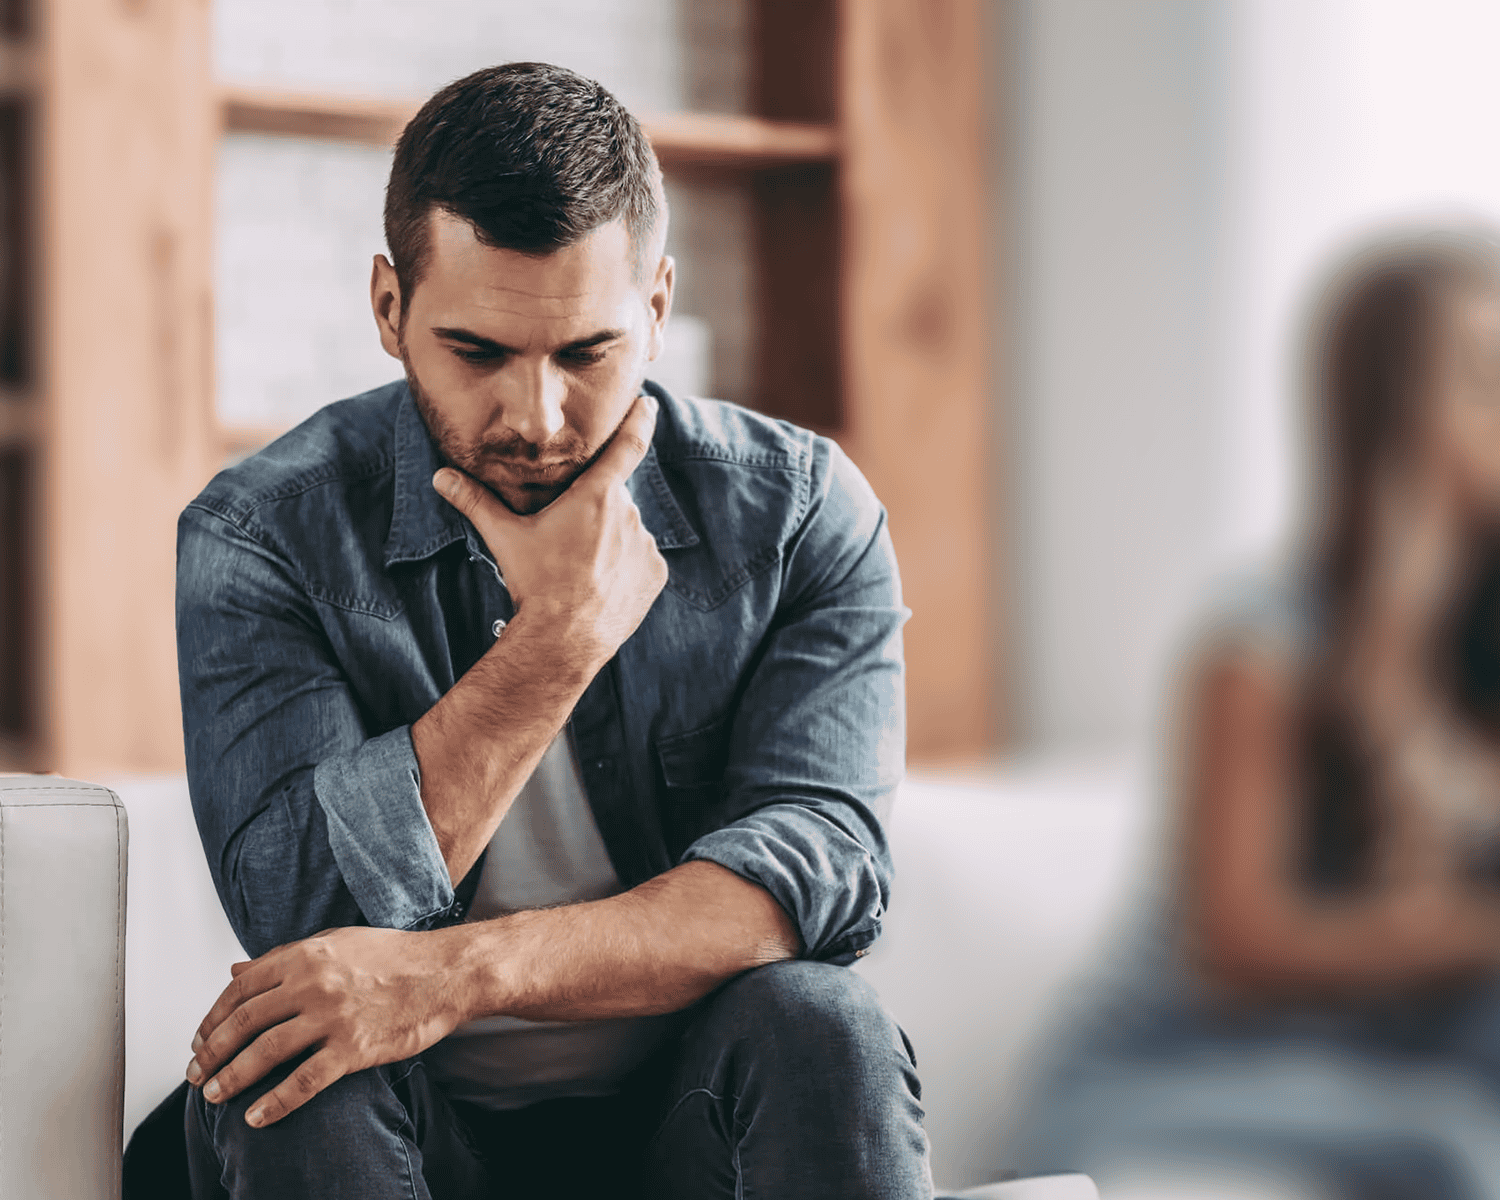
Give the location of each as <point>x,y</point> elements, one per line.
<point>680,139</point>
<point>334,118</point>
<point>19,422</point>
<point>17,68</point>
<point>708,139</point>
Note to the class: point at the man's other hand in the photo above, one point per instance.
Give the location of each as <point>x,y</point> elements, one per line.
<point>585,565</point>
<point>356,997</point>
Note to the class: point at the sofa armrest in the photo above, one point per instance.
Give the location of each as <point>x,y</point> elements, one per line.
<point>1040,1187</point>
<point>62,988</point>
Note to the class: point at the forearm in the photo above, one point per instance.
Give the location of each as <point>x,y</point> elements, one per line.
<point>1388,942</point>
<point>480,743</point>
<point>1254,927</point>
<point>654,949</point>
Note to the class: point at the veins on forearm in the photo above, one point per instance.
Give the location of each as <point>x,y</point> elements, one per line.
<point>477,746</point>
<point>654,949</point>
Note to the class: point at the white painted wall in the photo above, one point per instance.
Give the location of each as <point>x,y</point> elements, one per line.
<point>1119,111</point>
<point>1183,172</point>
<point>1348,116</point>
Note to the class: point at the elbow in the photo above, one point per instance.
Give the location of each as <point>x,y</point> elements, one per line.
<point>242,894</point>
<point>273,896</point>
<point>263,919</point>
<point>260,921</point>
<point>1231,943</point>
<point>1235,959</point>
<point>1248,951</point>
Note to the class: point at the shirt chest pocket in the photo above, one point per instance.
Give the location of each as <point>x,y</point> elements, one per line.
<point>691,775</point>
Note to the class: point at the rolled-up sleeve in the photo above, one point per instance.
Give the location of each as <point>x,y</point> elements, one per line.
<point>818,739</point>
<point>379,832</point>
<point>309,819</point>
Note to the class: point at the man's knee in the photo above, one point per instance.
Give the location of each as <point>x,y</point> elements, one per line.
<point>793,1080</point>
<point>814,1015</point>
<point>349,1118</point>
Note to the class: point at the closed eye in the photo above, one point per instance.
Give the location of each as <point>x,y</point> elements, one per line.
<point>476,356</point>
<point>582,357</point>
<point>481,351</point>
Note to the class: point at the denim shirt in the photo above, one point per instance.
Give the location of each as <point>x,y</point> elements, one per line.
<point>327,597</point>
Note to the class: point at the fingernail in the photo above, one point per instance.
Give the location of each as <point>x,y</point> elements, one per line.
<point>194,1071</point>
<point>443,481</point>
<point>211,1092</point>
<point>197,1042</point>
<point>255,1116</point>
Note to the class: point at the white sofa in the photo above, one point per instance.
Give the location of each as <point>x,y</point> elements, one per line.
<point>1006,882</point>
<point>62,971</point>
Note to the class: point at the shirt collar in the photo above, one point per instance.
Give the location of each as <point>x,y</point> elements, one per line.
<point>422,522</point>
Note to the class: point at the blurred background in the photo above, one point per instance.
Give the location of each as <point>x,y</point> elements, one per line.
<point>1040,265</point>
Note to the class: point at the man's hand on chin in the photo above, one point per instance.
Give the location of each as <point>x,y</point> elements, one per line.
<point>357,997</point>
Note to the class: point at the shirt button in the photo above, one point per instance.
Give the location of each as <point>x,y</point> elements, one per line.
<point>498,627</point>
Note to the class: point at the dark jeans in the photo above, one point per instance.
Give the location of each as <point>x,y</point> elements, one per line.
<point>790,1081</point>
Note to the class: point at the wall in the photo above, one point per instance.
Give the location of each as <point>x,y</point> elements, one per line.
<point>1182,174</point>
<point>1349,116</point>
<point>1117,120</point>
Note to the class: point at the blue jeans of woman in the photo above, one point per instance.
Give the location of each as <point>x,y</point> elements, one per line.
<point>790,1081</point>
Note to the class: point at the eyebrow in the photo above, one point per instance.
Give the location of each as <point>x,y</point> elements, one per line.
<point>490,346</point>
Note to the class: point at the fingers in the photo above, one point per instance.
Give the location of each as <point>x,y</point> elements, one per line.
<point>259,1012</point>
<point>471,498</point>
<point>310,1078</point>
<point>250,979</point>
<point>267,1052</point>
<point>627,447</point>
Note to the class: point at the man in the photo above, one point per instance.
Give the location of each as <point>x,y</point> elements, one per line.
<point>538,729</point>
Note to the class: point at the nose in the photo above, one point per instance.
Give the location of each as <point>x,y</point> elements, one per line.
<point>534,399</point>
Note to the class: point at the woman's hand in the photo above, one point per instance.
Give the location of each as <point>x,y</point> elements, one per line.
<point>359,997</point>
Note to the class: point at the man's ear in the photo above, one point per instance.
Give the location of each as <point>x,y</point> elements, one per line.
<point>385,302</point>
<point>660,301</point>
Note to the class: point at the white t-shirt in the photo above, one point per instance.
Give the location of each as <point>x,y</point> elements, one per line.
<point>547,851</point>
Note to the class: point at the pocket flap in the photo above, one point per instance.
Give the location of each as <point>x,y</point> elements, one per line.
<point>695,758</point>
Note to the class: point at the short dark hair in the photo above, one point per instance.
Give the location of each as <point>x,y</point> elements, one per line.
<point>534,156</point>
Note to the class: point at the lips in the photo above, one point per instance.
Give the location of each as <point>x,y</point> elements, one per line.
<point>534,472</point>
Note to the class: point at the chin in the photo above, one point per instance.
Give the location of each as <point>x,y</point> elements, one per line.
<point>525,502</point>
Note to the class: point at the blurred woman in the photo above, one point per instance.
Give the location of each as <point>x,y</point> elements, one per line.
<point>1318,1004</point>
